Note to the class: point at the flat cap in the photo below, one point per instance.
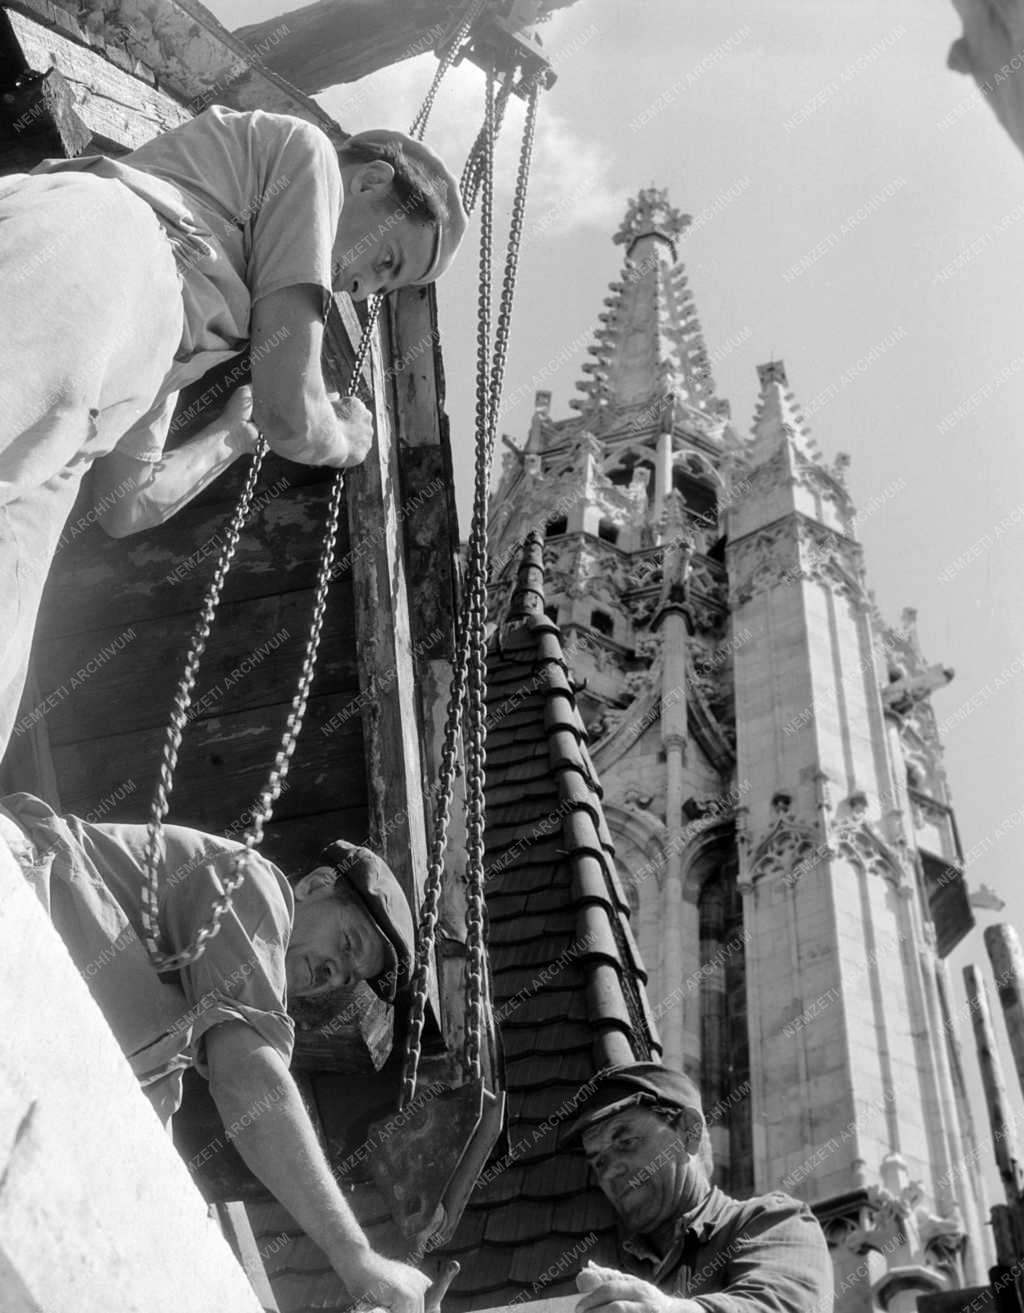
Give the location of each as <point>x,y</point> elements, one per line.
<point>372,883</point>
<point>428,171</point>
<point>615,1088</point>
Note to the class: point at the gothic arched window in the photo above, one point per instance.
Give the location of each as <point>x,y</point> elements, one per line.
<point>554,527</point>
<point>602,622</point>
<point>608,530</point>
<point>724,1041</point>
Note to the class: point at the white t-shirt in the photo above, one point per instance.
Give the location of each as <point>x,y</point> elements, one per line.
<point>251,203</point>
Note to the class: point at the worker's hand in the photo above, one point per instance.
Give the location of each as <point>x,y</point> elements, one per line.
<point>611,1291</point>
<point>355,430</point>
<point>237,417</point>
<point>378,1281</point>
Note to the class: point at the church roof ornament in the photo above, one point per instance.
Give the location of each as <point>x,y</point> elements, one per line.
<point>649,214</point>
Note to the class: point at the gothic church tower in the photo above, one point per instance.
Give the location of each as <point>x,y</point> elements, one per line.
<point>772,778</point>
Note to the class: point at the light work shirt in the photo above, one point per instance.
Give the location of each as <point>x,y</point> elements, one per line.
<point>761,1255</point>
<point>250,203</point>
<point>90,879</point>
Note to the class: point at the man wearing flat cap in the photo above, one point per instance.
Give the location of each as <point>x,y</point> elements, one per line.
<point>126,279</point>
<point>346,920</point>
<point>686,1246</point>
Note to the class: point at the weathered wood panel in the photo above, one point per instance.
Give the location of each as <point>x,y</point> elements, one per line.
<point>222,765</point>
<point>135,669</point>
<point>334,41</point>
<point>386,671</point>
<point>120,110</point>
<point>98,582</point>
<point>179,46</point>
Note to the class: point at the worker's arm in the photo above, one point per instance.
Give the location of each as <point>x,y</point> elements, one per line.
<point>133,494</point>
<point>610,1291</point>
<point>291,405</point>
<point>265,1117</point>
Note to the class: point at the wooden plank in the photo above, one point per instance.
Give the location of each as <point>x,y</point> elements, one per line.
<point>99,582</point>
<point>253,659</point>
<point>431,538</point>
<point>237,1230</point>
<point>1000,1113</point>
<point>223,764</point>
<point>294,842</point>
<point>386,670</point>
<point>118,108</point>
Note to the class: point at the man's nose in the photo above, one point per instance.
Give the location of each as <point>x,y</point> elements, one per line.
<point>613,1169</point>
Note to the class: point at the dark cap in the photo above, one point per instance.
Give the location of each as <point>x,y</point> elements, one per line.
<point>372,883</point>
<point>441,191</point>
<point>636,1083</point>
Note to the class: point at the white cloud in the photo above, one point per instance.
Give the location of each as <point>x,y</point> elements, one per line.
<point>569,186</point>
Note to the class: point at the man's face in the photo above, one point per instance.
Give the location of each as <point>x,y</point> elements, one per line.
<point>378,247</point>
<point>642,1165</point>
<point>333,941</point>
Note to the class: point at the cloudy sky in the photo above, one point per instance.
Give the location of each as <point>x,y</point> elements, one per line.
<point>858,214</point>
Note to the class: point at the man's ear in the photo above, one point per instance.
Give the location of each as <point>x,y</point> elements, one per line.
<point>374,176</point>
<point>691,1128</point>
<point>322,877</point>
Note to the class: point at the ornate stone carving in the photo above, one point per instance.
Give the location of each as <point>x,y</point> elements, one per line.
<point>813,475</point>
<point>921,1247</point>
<point>795,549</point>
<point>650,212</point>
<point>790,848</point>
<point>907,689</point>
<point>857,840</point>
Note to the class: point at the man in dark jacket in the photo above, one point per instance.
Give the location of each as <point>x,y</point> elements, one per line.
<point>686,1246</point>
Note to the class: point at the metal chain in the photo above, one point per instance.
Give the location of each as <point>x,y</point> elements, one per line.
<point>473,619</point>
<point>149,907</point>
<point>476,713</point>
<point>474,729</point>
<point>452,50</point>
<point>271,791</point>
<point>469,183</point>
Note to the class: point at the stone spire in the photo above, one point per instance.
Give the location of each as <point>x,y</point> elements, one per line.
<point>649,343</point>
<point>778,417</point>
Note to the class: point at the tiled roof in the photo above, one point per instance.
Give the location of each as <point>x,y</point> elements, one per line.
<point>568,989</point>
<point>567,978</point>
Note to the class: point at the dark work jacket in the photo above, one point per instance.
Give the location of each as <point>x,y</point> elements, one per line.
<point>763,1255</point>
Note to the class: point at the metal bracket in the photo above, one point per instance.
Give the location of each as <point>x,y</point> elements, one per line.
<point>498,41</point>
<point>427,1157</point>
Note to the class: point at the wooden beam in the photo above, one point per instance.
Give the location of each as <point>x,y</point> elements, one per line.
<point>1007,960</point>
<point>1000,1115</point>
<point>334,41</point>
<point>178,46</point>
<point>386,669</point>
<point>118,109</point>
<point>417,396</point>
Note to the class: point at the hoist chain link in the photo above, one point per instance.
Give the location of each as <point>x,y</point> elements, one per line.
<point>451,53</point>
<point>179,719</point>
<point>489,398</point>
<point>271,791</point>
<point>476,683</point>
<point>469,183</point>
